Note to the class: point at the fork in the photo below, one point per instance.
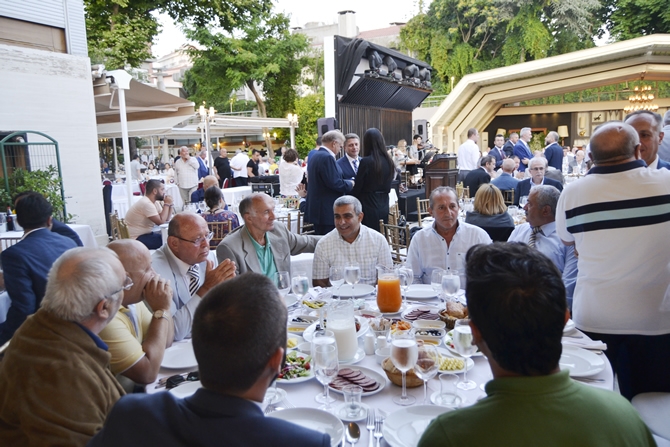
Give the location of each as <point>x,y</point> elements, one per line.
<point>378,429</point>
<point>370,425</point>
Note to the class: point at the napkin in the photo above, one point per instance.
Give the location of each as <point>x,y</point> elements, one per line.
<point>320,293</point>
<point>584,342</point>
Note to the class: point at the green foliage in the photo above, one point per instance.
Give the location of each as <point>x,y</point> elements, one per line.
<point>309,109</point>
<point>45,181</point>
<point>627,19</point>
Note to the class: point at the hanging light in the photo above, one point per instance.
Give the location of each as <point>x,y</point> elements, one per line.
<point>641,99</point>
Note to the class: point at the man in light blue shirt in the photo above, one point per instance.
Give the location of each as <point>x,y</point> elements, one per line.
<point>444,244</point>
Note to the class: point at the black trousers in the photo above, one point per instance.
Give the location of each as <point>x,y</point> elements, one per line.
<point>641,362</point>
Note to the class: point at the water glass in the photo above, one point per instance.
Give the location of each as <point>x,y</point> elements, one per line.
<point>336,276</point>
<point>352,400</point>
<point>283,281</point>
<point>352,274</point>
<point>326,367</point>
<point>404,354</point>
<point>323,337</point>
<point>462,339</point>
<point>436,281</point>
<point>451,283</point>
<point>426,366</point>
<point>448,395</point>
<point>300,284</point>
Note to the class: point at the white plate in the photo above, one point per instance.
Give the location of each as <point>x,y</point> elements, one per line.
<point>290,299</point>
<point>179,356</point>
<point>580,362</point>
<point>403,428</point>
<point>433,309</point>
<point>274,396</point>
<point>421,292</point>
<point>314,419</point>
<point>341,413</point>
<point>569,326</point>
<point>469,363</point>
<point>381,380</point>
<point>309,332</point>
<point>309,376</point>
<point>360,355</point>
<point>359,290</point>
<point>450,346</point>
<point>297,338</point>
<point>403,307</point>
<point>186,389</point>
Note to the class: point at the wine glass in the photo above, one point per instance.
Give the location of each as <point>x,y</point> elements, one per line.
<point>463,343</point>
<point>436,281</point>
<point>352,274</point>
<point>323,337</point>
<point>523,200</point>
<point>326,367</point>
<point>203,206</point>
<point>451,283</point>
<point>300,284</point>
<point>404,354</point>
<point>426,366</point>
<point>406,275</point>
<point>283,281</point>
<point>336,277</point>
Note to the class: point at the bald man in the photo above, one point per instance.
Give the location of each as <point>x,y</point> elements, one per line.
<point>616,218</point>
<point>199,194</point>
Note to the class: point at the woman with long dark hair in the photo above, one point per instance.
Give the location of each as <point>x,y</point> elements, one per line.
<point>373,180</point>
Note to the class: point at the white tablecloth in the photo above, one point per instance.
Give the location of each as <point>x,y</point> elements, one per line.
<point>231,195</point>
<point>83,231</point>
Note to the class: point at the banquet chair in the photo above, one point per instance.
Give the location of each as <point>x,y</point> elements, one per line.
<point>398,239</point>
<point>654,409</point>
<point>422,209</point>
<point>123,229</point>
<point>304,227</point>
<point>286,220</point>
<point>114,224</point>
<point>219,230</point>
<point>508,196</point>
<point>226,183</point>
<point>394,214</point>
<point>8,242</point>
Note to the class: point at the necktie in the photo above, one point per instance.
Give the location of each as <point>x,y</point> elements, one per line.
<point>355,162</point>
<point>533,236</point>
<point>195,279</point>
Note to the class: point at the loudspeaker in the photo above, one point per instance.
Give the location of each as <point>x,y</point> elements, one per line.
<point>421,128</point>
<point>326,125</point>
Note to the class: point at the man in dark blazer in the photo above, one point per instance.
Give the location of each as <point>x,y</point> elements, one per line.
<point>239,340</point>
<point>537,167</point>
<point>553,152</point>
<point>325,182</point>
<point>27,264</point>
<point>56,225</point>
<point>497,151</point>
<point>522,148</point>
<point>649,128</point>
<point>508,147</point>
<point>506,181</point>
<point>479,176</point>
<point>350,162</point>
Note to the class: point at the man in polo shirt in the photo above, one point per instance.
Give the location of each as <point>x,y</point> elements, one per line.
<point>147,212</point>
<point>350,242</point>
<point>616,218</point>
<point>530,401</point>
<point>262,245</point>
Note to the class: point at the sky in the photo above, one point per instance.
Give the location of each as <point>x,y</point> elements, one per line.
<point>370,14</point>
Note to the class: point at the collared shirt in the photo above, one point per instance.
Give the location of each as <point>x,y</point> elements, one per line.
<point>429,250</point>
<point>368,249</point>
<point>186,173</point>
<point>654,164</point>
<point>468,155</point>
<point>264,253</point>
<point>97,340</point>
<point>25,234</point>
<point>351,162</point>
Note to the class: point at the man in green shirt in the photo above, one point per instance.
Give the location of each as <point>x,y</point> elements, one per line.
<point>517,321</point>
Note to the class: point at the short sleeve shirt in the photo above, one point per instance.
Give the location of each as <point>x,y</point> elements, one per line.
<point>137,217</point>
<point>124,337</point>
<point>254,167</point>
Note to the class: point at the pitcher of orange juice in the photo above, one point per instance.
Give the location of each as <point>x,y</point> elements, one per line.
<point>388,289</point>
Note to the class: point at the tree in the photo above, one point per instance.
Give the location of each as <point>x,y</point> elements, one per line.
<point>309,109</point>
<point>627,19</point>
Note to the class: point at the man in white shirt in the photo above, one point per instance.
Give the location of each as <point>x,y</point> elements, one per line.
<point>350,162</point>
<point>468,154</point>
<point>147,212</point>
<point>444,244</point>
<point>136,169</point>
<point>186,174</point>
<point>239,166</point>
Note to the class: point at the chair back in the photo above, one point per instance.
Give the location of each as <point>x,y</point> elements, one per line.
<point>394,214</point>
<point>498,234</point>
<point>398,239</point>
<point>422,209</point>
<point>304,227</point>
<point>508,196</point>
<point>123,229</point>
<point>220,230</point>
<point>114,225</point>
<point>286,220</point>
<point>226,182</point>
<point>8,242</point>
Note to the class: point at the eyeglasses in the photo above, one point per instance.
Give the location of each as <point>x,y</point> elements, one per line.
<point>127,284</point>
<point>537,169</point>
<point>208,237</point>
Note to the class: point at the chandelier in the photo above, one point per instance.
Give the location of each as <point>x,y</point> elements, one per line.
<point>641,99</point>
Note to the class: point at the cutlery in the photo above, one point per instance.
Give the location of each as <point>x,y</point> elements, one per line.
<point>588,380</point>
<point>378,430</point>
<point>353,433</point>
<point>370,425</point>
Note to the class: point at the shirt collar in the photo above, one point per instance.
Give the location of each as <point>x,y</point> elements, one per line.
<point>32,231</point>
<point>613,169</point>
<point>350,158</point>
<point>654,164</point>
<point>256,244</point>
<point>183,267</point>
<point>548,228</point>
<point>98,342</point>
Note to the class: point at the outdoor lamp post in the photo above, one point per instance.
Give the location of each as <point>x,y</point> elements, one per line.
<point>207,115</point>
<point>293,122</point>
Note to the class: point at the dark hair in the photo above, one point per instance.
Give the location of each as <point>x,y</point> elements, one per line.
<point>136,156</point>
<point>417,136</point>
<point>375,146</point>
<point>20,195</point>
<point>318,141</point>
<point>152,185</point>
<point>658,119</point>
<point>516,298</point>
<point>472,132</point>
<point>237,328</point>
<point>486,159</point>
<point>33,211</point>
<point>255,151</point>
<point>290,155</point>
<point>213,197</point>
<point>351,136</point>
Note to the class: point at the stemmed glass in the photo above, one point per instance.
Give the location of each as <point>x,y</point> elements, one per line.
<point>326,367</point>
<point>436,282</point>
<point>283,281</point>
<point>404,354</point>
<point>336,278</point>
<point>523,200</point>
<point>463,343</point>
<point>406,279</point>
<point>426,366</point>
<point>451,283</point>
<point>324,337</point>
<point>300,284</point>
<point>203,206</point>
<point>352,274</point>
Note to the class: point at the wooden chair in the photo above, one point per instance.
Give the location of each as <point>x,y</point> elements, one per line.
<point>8,242</point>
<point>422,208</point>
<point>398,240</point>
<point>114,223</point>
<point>394,214</point>
<point>304,227</point>
<point>123,229</point>
<point>220,230</point>
<point>463,192</point>
<point>286,220</point>
<point>508,196</point>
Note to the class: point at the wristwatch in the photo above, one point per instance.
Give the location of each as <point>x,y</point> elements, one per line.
<point>161,314</point>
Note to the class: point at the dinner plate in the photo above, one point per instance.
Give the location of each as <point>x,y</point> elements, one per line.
<point>290,299</point>
<point>360,355</point>
<point>580,362</point>
<point>450,345</point>
<point>381,380</point>
<point>469,363</point>
<point>309,376</point>
<point>421,292</point>
<point>403,307</point>
<point>403,428</point>
<point>186,389</point>
<point>179,356</point>
<point>308,335</point>
<point>274,396</point>
<point>569,326</point>
<point>359,290</point>
<point>433,309</point>
<point>298,339</point>
<point>314,419</point>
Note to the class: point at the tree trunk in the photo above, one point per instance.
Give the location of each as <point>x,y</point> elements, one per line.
<point>263,114</point>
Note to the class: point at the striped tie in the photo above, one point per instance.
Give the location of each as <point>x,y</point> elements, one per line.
<point>195,279</point>
<point>355,166</point>
<point>533,236</point>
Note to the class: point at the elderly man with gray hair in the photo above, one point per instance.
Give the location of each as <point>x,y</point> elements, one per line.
<point>350,242</point>
<point>55,381</point>
<point>522,148</point>
<point>664,147</point>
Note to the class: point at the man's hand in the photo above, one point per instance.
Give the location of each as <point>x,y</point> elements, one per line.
<point>215,276</point>
<point>301,190</point>
<point>525,161</point>
<point>158,294</point>
<point>168,200</point>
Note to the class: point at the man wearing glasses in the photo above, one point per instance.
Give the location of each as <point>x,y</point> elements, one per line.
<point>183,261</point>
<point>537,167</point>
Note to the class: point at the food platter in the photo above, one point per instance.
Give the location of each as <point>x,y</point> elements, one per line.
<point>305,378</point>
<point>374,375</point>
<point>448,342</point>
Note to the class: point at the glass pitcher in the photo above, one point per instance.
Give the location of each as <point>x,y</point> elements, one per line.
<point>343,324</point>
<point>388,289</point>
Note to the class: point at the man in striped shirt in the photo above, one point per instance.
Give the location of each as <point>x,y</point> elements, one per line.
<point>618,219</point>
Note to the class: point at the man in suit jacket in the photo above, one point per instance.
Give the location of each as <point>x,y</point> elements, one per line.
<point>522,149</point>
<point>649,128</point>
<point>506,181</point>
<point>553,152</point>
<point>203,170</point>
<point>262,245</point>
<point>183,260</point>
<point>27,264</point>
<point>56,225</point>
<point>239,340</point>
<point>537,167</point>
<point>481,175</point>
<point>351,161</point>
<point>497,151</point>
<point>508,147</point>
<point>325,182</point>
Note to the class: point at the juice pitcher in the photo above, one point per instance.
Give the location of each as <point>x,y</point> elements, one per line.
<point>388,289</point>
<point>343,324</point>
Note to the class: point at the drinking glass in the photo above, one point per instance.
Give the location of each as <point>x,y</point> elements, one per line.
<point>451,283</point>
<point>426,366</point>
<point>404,354</point>
<point>203,206</point>
<point>523,200</point>
<point>436,281</point>
<point>325,369</point>
<point>352,274</point>
<point>336,277</point>
<point>448,395</point>
<point>300,284</point>
<point>406,279</point>
<point>283,281</point>
<point>323,337</point>
<point>463,343</point>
